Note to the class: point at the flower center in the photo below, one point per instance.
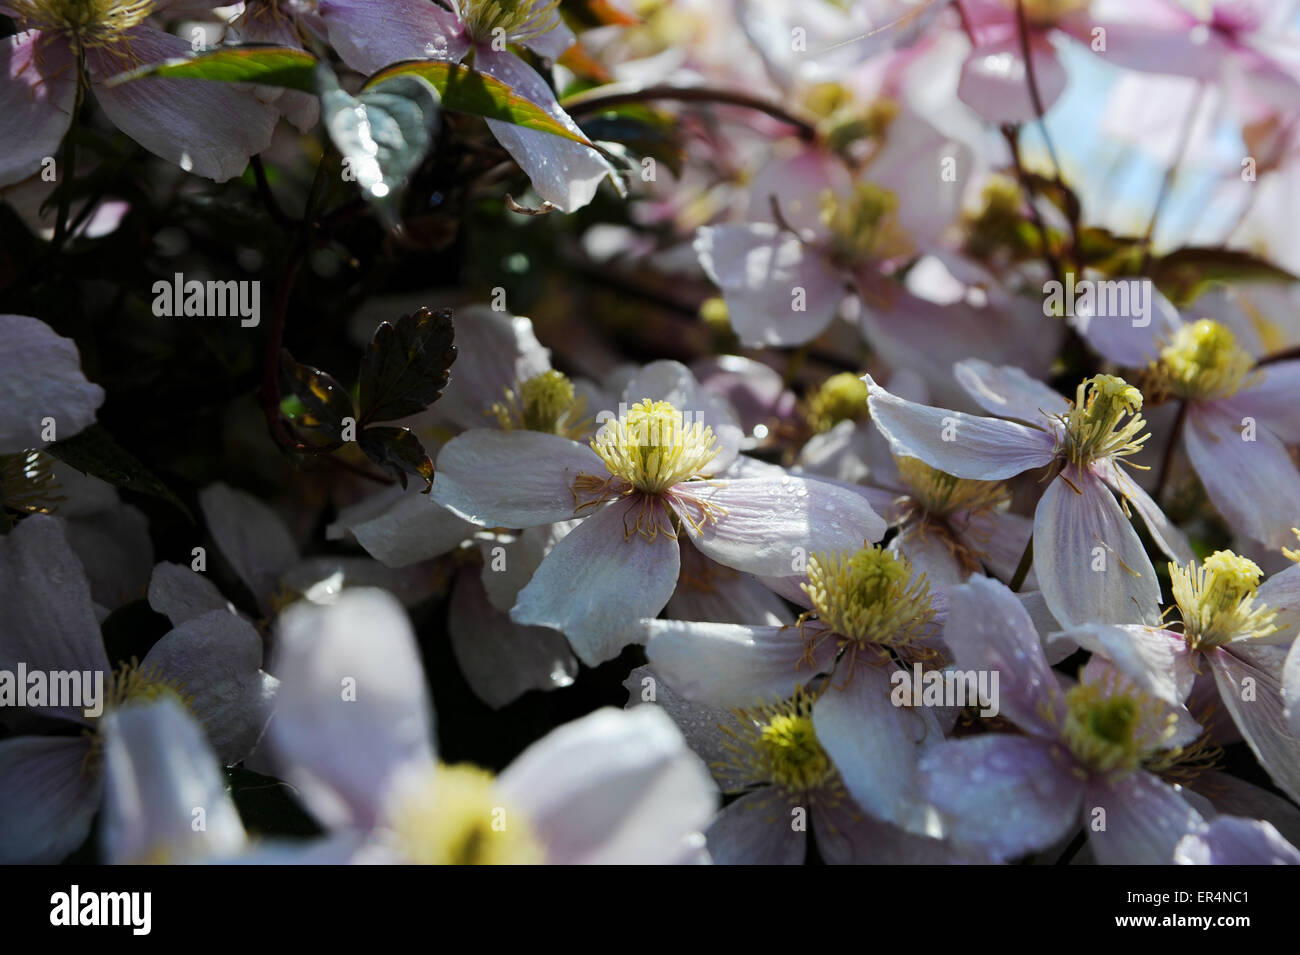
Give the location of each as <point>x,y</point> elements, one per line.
<point>1203,361</point>
<point>862,224</point>
<point>89,22</point>
<point>545,402</point>
<point>776,744</point>
<point>455,817</point>
<point>1217,600</point>
<point>1046,13</point>
<point>1096,427</point>
<point>517,20</point>
<point>942,495</point>
<point>652,447</point>
<point>1107,726</point>
<point>843,120</point>
<point>841,397</point>
<point>869,597</point>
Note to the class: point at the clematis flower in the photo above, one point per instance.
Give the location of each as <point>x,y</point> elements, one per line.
<point>789,793</point>
<point>866,612</point>
<point>1090,751</point>
<point>206,128</point>
<point>1237,629</point>
<point>50,786</point>
<point>1240,419</point>
<point>371,34</point>
<point>611,787</point>
<point>652,473</point>
<point>1090,562</point>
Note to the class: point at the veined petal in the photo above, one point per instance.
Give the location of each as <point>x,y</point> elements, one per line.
<point>1091,564</point>
<point>1291,689</point>
<point>1009,794</point>
<point>1272,399</point>
<point>1167,535</point>
<point>46,801</point>
<point>967,446</point>
<point>601,580</point>
<point>756,830</point>
<point>512,478</point>
<point>614,787</point>
<point>1254,699</point>
<point>1006,391</point>
<point>36,98</point>
<point>371,34</point>
<point>1157,661</point>
<point>1145,819</point>
<point>1253,484</point>
<point>1230,840</point>
<point>767,526</point>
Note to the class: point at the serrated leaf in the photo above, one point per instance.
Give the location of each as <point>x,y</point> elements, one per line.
<point>465,90</point>
<point>94,452</point>
<point>406,366</point>
<point>268,65</point>
<point>398,451</point>
<point>383,134</point>
<point>325,402</point>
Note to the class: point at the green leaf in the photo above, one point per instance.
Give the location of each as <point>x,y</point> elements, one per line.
<point>325,402</point>
<point>1184,273</point>
<point>643,133</point>
<point>398,451</point>
<point>383,134</point>
<point>465,90</point>
<point>406,366</point>
<point>94,452</point>
<point>251,63</point>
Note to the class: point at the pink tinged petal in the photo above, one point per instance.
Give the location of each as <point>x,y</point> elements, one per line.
<point>1157,661</point>
<point>1229,840</point>
<point>1007,794</point>
<point>967,446</point>
<point>494,351</point>
<point>218,659</point>
<point>402,526</point>
<point>206,128</point>
<point>994,80</point>
<point>875,746</point>
<point>1168,537</point>
<point>251,536</point>
<point>756,830</point>
<point>512,478</point>
<point>1291,689</point>
<point>1007,392</point>
<point>1144,819</point>
<point>1131,341</point>
<point>756,391</point>
<point>998,538</point>
<point>778,290</point>
<point>552,44</point>
<point>844,453</point>
<point>180,594</point>
<point>1271,399</point>
<point>158,771</point>
<point>371,34</point>
<point>500,659</point>
<point>726,664</point>
<point>508,565</point>
<point>989,629</point>
<point>49,623</point>
<point>929,555</point>
<point>40,379</point>
<point>613,787</point>
<point>46,800</point>
<point>352,713</point>
<point>564,173</point>
<point>1091,564</point>
<point>768,526</point>
<point>37,91</point>
<point>601,580</point>
<point>1254,699</point>
<point>723,596</point>
<point>1253,484</point>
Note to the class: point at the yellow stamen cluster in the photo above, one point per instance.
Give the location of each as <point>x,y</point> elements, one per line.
<point>843,120</point>
<point>1110,726</point>
<point>455,817</point>
<point>86,22</point>
<point>517,20</point>
<point>1046,13</point>
<point>652,447</point>
<point>1096,426</point>
<point>942,495</point>
<point>869,597</point>
<point>841,397</point>
<point>862,224</point>
<point>1203,360</point>
<point>1217,600</point>
<point>546,402</point>
<point>776,744</point>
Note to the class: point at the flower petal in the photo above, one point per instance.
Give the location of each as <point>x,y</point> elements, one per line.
<point>1272,398</point>
<point>180,594</point>
<point>600,581</point>
<point>371,34</point>
<point>1229,840</point>
<point>1167,535</point>
<point>994,84</point>
<point>40,378</point>
<point>46,801</point>
<point>1157,661</point>
<point>36,99</point>
<point>251,536</point>
<point>399,527</point>
<point>756,830</point>
<point>1254,699</point>
<point>1144,819</point>
<point>1007,392</point>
